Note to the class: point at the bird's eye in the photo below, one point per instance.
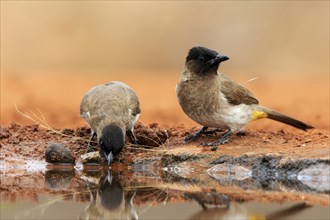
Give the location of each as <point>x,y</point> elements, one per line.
<point>201,59</point>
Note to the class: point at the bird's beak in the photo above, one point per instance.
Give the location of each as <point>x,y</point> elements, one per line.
<point>109,158</point>
<point>219,58</point>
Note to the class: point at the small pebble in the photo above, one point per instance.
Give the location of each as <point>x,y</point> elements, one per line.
<point>308,140</point>
<point>214,148</point>
<point>58,154</point>
<point>91,158</point>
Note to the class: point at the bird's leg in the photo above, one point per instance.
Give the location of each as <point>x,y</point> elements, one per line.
<point>214,131</point>
<point>89,149</point>
<point>192,137</point>
<point>132,136</point>
<point>224,139</point>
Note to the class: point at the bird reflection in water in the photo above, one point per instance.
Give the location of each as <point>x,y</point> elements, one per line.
<point>218,206</point>
<point>108,201</point>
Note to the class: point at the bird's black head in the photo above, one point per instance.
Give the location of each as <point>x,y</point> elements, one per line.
<point>112,141</point>
<point>201,60</point>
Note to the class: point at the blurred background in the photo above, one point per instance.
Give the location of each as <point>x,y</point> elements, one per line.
<point>52,52</point>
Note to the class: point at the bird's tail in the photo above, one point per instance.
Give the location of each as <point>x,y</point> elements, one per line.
<point>263,112</point>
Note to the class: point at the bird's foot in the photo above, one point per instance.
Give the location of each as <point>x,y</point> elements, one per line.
<point>223,140</point>
<point>132,137</point>
<point>91,148</point>
<point>241,133</point>
<point>193,137</point>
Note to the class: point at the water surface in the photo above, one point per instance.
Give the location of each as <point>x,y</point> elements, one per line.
<point>145,194</point>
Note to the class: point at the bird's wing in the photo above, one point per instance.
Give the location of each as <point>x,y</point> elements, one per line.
<point>133,100</point>
<point>134,103</point>
<point>235,93</point>
<point>84,108</point>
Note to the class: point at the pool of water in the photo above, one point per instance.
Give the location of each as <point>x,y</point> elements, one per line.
<point>49,207</point>
<point>153,194</point>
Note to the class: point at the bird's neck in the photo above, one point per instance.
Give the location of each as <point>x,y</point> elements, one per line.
<point>187,75</point>
<point>105,123</point>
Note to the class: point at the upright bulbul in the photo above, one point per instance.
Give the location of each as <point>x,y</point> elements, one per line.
<point>111,110</point>
<point>213,100</point>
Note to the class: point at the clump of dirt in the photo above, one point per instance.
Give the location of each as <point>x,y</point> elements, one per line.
<point>151,135</point>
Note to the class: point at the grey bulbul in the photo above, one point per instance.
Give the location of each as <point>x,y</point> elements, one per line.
<point>111,110</point>
<point>214,100</point>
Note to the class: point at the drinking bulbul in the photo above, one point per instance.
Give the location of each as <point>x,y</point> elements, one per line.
<point>111,110</point>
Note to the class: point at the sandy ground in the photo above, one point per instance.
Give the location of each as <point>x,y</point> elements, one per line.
<point>56,98</point>
<point>23,163</point>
